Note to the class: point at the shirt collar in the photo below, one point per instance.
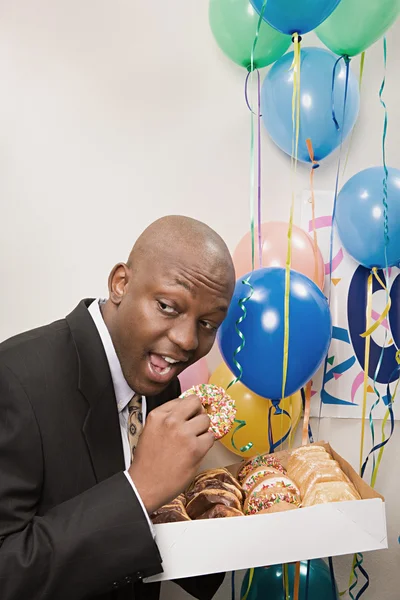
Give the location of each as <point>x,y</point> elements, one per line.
<point>123,393</point>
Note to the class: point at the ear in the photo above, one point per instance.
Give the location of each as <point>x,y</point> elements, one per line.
<point>117,282</point>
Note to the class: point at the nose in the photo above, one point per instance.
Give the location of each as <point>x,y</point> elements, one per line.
<point>184,335</point>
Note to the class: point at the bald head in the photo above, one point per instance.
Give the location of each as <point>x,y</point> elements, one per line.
<point>181,238</point>
<point>167,302</point>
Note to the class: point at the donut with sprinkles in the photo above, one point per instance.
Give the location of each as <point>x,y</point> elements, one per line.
<point>219,406</point>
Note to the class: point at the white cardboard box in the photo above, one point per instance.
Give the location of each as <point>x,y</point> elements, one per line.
<point>229,544</point>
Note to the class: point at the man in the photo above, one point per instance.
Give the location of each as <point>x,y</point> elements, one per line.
<point>74,395</point>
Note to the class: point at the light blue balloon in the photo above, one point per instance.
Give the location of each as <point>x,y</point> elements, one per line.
<point>360,217</point>
<point>295,16</point>
<point>316,121</point>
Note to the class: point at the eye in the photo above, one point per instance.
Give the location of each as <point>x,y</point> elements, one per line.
<point>209,326</point>
<point>166,308</point>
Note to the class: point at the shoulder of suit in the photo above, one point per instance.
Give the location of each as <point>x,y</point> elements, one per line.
<point>42,344</point>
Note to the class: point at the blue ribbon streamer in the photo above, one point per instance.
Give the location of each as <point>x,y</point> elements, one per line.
<point>358,565</point>
<point>278,411</point>
<point>333,580</point>
<point>395,375</point>
<point>233,591</point>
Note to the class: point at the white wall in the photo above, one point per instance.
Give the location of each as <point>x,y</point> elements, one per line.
<point>113,113</point>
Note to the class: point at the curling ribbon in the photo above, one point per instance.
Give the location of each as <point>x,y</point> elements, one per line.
<point>314,165</point>
<point>296,585</point>
<point>252,153</point>
<point>242,302</point>
<point>366,365</point>
<point>360,78</point>
<point>307,579</point>
<point>382,444</point>
<point>241,424</point>
<point>278,411</point>
<point>346,87</point>
<point>303,399</point>
<point>375,468</point>
<point>332,574</point>
<point>306,418</point>
<point>367,334</point>
<point>251,575</point>
<point>295,145</point>
<point>358,561</point>
<point>389,412</point>
<point>285,572</point>
<point>385,312</point>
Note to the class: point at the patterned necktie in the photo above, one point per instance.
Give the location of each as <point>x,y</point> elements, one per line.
<point>135,422</point>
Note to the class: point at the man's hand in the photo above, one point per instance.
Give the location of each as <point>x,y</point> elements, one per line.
<point>174,441</point>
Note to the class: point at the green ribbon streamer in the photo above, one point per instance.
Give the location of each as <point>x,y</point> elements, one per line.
<point>242,317</point>
<point>252,154</point>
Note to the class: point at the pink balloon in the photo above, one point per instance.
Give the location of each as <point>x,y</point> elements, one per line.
<point>274,250</point>
<point>194,375</point>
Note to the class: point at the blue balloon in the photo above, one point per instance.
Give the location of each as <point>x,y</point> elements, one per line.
<point>316,120</point>
<point>360,217</point>
<point>295,16</point>
<point>267,582</point>
<point>263,329</point>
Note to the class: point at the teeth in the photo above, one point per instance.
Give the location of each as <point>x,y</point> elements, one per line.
<point>165,371</point>
<point>170,360</point>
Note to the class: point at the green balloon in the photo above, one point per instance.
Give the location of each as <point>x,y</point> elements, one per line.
<point>234,25</point>
<point>356,24</point>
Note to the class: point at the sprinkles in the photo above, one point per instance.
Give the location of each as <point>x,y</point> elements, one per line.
<point>257,503</point>
<point>259,461</point>
<point>219,406</point>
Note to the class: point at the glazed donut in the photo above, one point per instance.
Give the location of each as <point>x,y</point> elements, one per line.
<point>219,406</point>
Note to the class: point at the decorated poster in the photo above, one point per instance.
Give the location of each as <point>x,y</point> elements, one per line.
<point>337,388</point>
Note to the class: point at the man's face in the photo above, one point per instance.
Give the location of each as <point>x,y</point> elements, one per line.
<point>167,318</point>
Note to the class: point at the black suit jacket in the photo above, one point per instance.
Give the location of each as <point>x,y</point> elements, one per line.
<point>71,526</point>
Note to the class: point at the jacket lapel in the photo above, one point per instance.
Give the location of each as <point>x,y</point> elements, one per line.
<point>101,427</point>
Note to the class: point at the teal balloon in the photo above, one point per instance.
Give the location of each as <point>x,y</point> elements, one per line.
<point>267,583</point>
<point>234,25</point>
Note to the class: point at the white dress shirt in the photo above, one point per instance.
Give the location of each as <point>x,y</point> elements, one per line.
<point>123,393</point>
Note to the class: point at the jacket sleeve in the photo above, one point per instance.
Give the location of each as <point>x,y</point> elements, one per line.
<point>95,542</point>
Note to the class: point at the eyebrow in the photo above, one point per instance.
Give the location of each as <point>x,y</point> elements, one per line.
<point>190,289</point>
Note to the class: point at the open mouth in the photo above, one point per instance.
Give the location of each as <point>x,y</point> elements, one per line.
<point>162,368</point>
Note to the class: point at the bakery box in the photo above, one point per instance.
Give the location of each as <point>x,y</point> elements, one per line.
<point>229,544</point>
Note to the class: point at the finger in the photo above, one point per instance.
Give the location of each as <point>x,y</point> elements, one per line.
<point>189,407</point>
<point>169,406</point>
<point>199,424</point>
<point>205,442</point>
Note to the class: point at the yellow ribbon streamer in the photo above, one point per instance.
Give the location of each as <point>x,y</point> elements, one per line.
<point>251,575</point>
<point>385,312</point>
<point>296,586</point>
<point>286,581</point>
<point>366,366</point>
<point>295,145</point>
